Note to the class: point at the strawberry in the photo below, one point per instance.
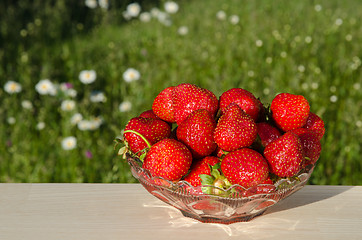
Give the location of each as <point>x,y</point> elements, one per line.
<point>264,187</point>
<point>245,167</point>
<point>289,111</point>
<point>316,124</point>
<point>196,132</point>
<point>267,133</point>
<point>162,105</point>
<point>140,133</point>
<point>189,97</point>
<point>244,99</point>
<point>235,129</point>
<point>202,166</point>
<point>169,159</point>
<point>149,114</point>
<point>285,155</point>
<point>310,143</point>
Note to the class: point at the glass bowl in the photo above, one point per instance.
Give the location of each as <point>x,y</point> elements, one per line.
<point>235,204</point>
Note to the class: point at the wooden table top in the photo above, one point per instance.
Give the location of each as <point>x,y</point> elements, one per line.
<point>128,211</point>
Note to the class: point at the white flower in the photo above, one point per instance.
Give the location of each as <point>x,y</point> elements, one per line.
<point>71,92</point>
<point>76,118</point>
<point>87,76</point>
<point>97,96</point>
<point>308,39</point>
<point>11,120</point>
<point>133,9</point>
<point>26,104</point>
<point>221,15</point>
<point>318,8</point>
<point>45,87</point>
<point>85,125</point>
<point>91,3</point>
<point>125,106</point>
<point>349,37</point>
<point>69,143</point>
<point>183,30</point>
<point>103,4</point>
<point>269,60</point>
<point>40,126</point>
<point>333,98</point>
<point>131,75</point>
<point>338,22</point>
<point>259,43</point>
<point>67,105</point>
<point>283,54</point>
<point>301,68</point>
<point>171,7</point>
<point>145,17</point>
<point>234,19</point>
<point>12,87</point>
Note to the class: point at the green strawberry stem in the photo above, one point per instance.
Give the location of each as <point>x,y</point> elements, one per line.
<point>140,135</point>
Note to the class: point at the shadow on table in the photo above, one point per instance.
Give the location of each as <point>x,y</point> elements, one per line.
<point>305,197</point>
<point>259,227</point>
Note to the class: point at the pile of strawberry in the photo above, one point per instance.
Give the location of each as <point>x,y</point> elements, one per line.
<point>192,135</point>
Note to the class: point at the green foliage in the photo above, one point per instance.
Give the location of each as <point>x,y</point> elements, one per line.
<point>303,47</point>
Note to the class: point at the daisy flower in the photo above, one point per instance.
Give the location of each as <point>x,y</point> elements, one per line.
<point>221,15</point>
<point>40,125</point>
<point>133,9</point>
<point>69,143</point>
<point>12,87</point>
<point>26,104</point>
<point>234,19</point>
<point>103,4</point>
<point>131,75</point>
<point>97,96</point>
<point>145,17</point>
<point>183,30</point>
<point>87,76</point>
<point>125,106</point>
<point>76,118</point>
<point>46,87</point>
<point>91,3</point>
<point>67,105</point>
<point>171,7</point>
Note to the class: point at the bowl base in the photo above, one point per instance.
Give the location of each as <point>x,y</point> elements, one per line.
<point>206,219</point>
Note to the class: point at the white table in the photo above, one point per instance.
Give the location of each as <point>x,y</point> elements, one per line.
<point>128,211</point>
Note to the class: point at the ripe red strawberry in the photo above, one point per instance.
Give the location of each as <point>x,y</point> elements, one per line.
<point>311,145</point>
<point>169,159</point>
<point>163,106</point>
<point>189,97</point>
<point>244,99</point>
<point>289,111</point>
<point>201,167</point>
<point>245,167</point>
<point>196,132</point>
<point>316,124</point>
<point>264,187</point>
<point>267,133</point>
<point>152,130</point>
<point>285,155</point>
<point>235,129</point>
<point>149,114</point>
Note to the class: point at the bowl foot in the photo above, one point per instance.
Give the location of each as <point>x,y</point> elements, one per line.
<point>208,219</point>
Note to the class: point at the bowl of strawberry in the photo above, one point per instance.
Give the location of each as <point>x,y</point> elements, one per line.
<point>226,159</point>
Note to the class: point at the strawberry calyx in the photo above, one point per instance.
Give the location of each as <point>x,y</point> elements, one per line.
<point>214,183</point>
<point>125,149</point>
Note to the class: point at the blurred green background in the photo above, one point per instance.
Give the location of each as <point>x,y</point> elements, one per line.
<point>311,48</point>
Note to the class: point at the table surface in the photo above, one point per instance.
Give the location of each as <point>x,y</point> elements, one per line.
<point>128,211</point>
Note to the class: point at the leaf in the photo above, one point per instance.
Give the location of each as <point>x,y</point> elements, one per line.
<point>206,179</point>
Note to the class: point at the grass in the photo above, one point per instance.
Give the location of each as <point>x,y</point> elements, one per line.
<point>303,47</point>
